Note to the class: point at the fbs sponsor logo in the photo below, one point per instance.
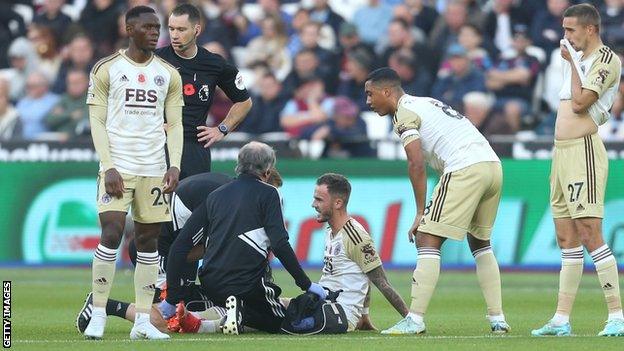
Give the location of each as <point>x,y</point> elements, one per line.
<point>61,224</point>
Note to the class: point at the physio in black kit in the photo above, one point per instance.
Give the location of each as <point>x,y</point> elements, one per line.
<point>201,71</point>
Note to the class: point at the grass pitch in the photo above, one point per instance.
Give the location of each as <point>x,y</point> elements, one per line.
<point>45,303</point>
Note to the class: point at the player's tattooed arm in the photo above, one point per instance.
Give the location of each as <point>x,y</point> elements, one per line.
<point>378,277</point>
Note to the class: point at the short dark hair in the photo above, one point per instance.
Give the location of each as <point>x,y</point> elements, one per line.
<point>337,185</point>
<point>137,11</point>
<point>385,75</point>
<point>585,13</point>
<point>188,9</point>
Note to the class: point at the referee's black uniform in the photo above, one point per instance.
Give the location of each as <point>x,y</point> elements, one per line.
<point>200,76</point>
<point>240,223</point>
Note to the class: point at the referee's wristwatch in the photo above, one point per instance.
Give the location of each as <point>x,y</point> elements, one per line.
<point>223,129</point>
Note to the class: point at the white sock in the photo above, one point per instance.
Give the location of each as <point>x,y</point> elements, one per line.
<point>496,318</point>
<point>616,315</point>
<point>141,318</point>
<point>207,326</point>
<point>416,317</point>
<point>560,319</point>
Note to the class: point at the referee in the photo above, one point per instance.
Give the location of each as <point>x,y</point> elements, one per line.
<point>201,71</point>
<point>240,223</point>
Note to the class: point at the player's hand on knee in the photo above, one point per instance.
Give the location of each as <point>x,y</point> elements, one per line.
<point>166,309</point>
<point>113,183</point>
<point>171,179</point>
<point>209,135</point>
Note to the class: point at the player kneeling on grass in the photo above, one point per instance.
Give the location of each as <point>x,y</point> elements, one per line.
<point>465,200</point>
<point>350,259</point>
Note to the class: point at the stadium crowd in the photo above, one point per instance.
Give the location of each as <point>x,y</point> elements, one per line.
<point>305,63</point>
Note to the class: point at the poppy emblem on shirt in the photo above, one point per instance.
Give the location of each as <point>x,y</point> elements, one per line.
<point>189,89</point>
<point>141,78</point>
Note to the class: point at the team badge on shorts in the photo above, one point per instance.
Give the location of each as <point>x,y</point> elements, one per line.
<point>159,80</point>
<point>106,199</point>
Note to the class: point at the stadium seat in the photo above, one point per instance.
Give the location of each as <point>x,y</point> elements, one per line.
<point>377,128</point>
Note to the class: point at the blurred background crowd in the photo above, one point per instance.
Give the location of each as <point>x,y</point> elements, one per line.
<point>305,63</point>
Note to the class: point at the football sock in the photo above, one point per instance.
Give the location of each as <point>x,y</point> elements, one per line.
<point>116,308</point>
<point>103,273</point>
<point>569,280</point>
<point>606,267</point>
<point>424,279</point>
<point>145,275</point>
<point>488,275</point>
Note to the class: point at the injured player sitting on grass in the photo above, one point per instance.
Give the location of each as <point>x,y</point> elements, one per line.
<point>189,194</point>
<point>350,262</point>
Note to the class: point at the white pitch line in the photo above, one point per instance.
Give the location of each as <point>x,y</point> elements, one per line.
<point>300,338</point>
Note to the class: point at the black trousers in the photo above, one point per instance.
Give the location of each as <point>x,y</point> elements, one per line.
<point>261,306</point>
<point>195,159</point>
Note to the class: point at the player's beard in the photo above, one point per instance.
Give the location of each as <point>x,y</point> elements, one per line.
<point>322,217</point>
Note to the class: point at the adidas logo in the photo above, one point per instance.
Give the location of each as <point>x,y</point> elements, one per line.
<point>607,286</point>
<point>580,208</point>
<point>150,287</point>
<point>124,78</point>
<point>101,281</point>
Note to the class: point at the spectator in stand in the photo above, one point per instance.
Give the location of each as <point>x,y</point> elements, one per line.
<point>322,12</point>
<point>228,28</point>
<point>499,22</point>
<point>268,8</point>
<point>349,41</point>
<point>99,20</point>
<point>479,109</point>
<point>471,39</point>
<point>415,79</point>
<point>50,15</point>
<point>78,55</point>
<point>11,27</point>
<point>401,37</point>
<point>70,116</point>
<point>372,20</point>
<point>425,16</point>
<point>345,132</point>
<point>328,70</point>
<point>24,60</point>
<point>612,27</point>
<point>270,47</point>
<point>463,79</point>
<point>359,64</point>
<point>264,116</point>
<point>513,79</point>
<point>306,65</point>
<point>46,48</point>
<point>547,28</point>
<point>35,106</point>
<point>10,124</point>
<point>308,110</point>
<point>446,29</point>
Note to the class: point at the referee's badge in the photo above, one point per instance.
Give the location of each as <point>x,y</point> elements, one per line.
<point>204,92</point>
<point>240,84</point>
